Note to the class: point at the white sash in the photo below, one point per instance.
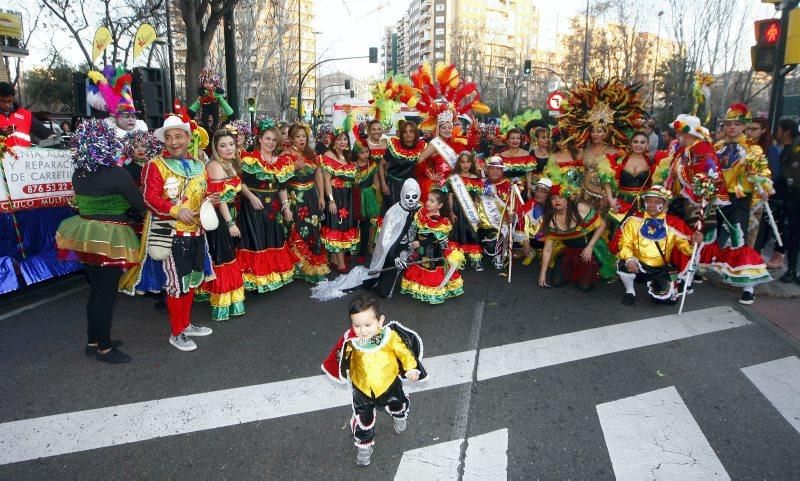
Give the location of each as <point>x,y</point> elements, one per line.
<point>445,151</point>
<point>465,201</point>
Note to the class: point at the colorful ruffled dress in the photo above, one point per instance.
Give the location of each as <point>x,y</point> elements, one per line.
<point>265,255</point>
<point>564,173</point>
<point>422,281</point>
<point>340,231</point>
<point>400,163</point>
<point>462,237</point>
<point>369,207</point>
<point>567,248</point>
<point>101,234</point>
<point>226,292</point>
<point>305,238</point>
<point>518,168</point>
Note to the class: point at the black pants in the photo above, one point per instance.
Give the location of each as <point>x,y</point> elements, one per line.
<point>738,212</point>
<point>103,285</point>
<point>792,225</point>
<point>364,226</point>
<point>394,400</point>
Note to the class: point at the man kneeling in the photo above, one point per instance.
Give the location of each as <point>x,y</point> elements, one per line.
<point>646,246</point>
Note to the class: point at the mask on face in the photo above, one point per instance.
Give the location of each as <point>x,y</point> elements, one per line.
<point>409,195</point>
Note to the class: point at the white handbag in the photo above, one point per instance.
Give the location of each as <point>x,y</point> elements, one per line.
<point>208,215</point>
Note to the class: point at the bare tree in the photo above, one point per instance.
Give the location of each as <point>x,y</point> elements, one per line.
<point>201,19</point>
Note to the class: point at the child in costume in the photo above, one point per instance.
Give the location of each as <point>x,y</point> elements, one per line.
<point>373,358</point>
<point>436,278</point>
<point>210,100</point>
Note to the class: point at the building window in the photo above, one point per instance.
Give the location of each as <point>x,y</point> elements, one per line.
<point>439,31</point>
<point>439,55</point>
<point>440,8</point>
<point>440,19</point>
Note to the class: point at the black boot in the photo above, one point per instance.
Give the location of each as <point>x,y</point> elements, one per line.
<point>789,276</point>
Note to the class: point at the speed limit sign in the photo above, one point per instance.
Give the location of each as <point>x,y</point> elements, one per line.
<point>554,101</point>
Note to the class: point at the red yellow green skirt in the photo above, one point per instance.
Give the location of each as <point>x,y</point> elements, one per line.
<point>339,240</point>
<point>225,293</point>
<point>423,284</point>
<point>268,269</point>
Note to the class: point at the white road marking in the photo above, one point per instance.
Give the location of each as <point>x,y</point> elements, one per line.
<point>96,428</point>
<point>654,436</point>
<point>486,460</point>
<point>42,302</point>
<point>549,351</point>
<point>487,457</point>
<point>437,462</point>
<point>779,381</point>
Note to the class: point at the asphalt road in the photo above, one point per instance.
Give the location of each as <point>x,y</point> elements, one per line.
<point>550,412</point>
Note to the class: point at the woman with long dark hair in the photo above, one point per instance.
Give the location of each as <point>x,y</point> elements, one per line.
<point>340,230</point>
<point>572,230</point>
<point>369,207</point>
<point>519,163</point>
<point>265,256</point>
<point>402,154</point>
<point>540,150</point>
<point>226,291</point>
<point>101,235</point>
<point>759,232</point>
<point>463,237</point>
<point>423,279</point>
<point>307,203</point>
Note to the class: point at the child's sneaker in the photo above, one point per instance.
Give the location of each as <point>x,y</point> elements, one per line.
<point>364,455</point>
<point>400,425</point>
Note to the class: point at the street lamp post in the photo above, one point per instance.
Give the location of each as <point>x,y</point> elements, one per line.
<point>586,45</point>
<point>655,67</point>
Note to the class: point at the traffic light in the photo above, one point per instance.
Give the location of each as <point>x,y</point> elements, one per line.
<point>352,94</point>
<point>526,69</point>
<point>373,55</point>
<point>251,105</point>
<point>347,84</point>
<point>293,103</point>
<point>764,54</point>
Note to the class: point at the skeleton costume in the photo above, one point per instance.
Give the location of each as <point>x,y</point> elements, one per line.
<point>374,368</point>
<point>394,237</point>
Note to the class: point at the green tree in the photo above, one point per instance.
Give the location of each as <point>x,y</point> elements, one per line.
<point>50,88</point>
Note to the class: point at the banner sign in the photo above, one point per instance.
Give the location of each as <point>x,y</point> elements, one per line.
<point>145,36</point>
<point>35,178</point>
<point>102,39</point>
<point>10,25</point>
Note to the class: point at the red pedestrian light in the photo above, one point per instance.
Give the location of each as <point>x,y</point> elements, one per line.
<point>768,32</point>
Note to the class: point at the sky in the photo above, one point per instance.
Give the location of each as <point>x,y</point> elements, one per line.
<point>348,28</point>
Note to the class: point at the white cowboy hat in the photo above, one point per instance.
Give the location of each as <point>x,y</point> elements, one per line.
<point>689,124</point>
<point>172,122</point>
<point>544,182</point>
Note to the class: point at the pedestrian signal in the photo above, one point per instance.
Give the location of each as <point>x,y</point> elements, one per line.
<point>526,69</point>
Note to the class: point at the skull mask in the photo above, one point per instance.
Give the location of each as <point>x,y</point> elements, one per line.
<point>409,195</point>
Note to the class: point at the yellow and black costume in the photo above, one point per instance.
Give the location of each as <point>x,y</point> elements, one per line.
<point>374,367</point>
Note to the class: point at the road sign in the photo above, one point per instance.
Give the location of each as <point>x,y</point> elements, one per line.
<point>554,101</point>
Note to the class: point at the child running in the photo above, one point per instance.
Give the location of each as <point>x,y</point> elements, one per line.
<point>373,358</point>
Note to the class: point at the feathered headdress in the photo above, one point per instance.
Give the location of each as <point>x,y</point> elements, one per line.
<point>519,121</point>
<point>265,122</point>
<point>94,145</point>
<point>209,76</point>
<point>346,127</point>
<point>152,145</point>
<point>388,95</point>
<point>110,90</point>
<point>443,95</point>
<point>610,104</point>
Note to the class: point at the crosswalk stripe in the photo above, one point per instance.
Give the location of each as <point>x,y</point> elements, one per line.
<point>549,351</point>
<point>779,381</point>
<point>654,436</point>
<point>486,460</point>
<point>96,428</point>
<point>487,457</point>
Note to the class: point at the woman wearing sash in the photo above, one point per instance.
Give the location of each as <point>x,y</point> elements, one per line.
<point>464,189</point>
<point>307,204</point>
